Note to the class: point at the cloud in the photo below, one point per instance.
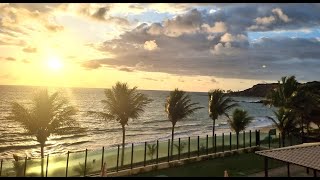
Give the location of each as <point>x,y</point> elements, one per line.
<point>151,79</point>
<point>54,28</point>
<point>126,69</point>
<point>263,23</point>
<point>10,59</point>
<point>29,50</point>
<point>150,45</point>
<point>227,37</point>
<point>219,27</point>
<point>214,80</point>
<point>197,42</point>
<point>25,61</point>
<point>188,23</point>
<point>155,29</point>
<point>91,65</point>
<point>281,15</point>
<point>265,20</point>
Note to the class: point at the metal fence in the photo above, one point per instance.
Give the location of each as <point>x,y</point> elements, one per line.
<point>87,162</point>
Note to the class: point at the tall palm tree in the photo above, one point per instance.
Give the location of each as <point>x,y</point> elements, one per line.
<point>285,92</point>
<point>292,97</point>
<point>239,121</point>
<point>178,106</point>
<point>219,104</point>
<point>49,114</point>
<point>122,104</point>
<point>285,122</point>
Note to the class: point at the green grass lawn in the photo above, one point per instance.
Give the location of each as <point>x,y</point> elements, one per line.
<point>237,165</point>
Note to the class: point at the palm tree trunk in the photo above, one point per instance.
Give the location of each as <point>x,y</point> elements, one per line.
<point>213,126</point>
<point>42,158</point>
<point>123,141</point>
<point>172,136</point>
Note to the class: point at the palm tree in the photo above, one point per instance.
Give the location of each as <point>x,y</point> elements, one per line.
<point>83,167</point>
<point>219,104</point>
<point>121,105</point>
<point>285,92</point>
<point>239,121</point>
<point>49,114</point>
<point>151,150</point>
<point>181,148</point>
<point>292,97</point>
<point>178,106</point>
<point>285,122</point>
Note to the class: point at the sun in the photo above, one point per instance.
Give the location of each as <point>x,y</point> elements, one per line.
<point>54,63</point>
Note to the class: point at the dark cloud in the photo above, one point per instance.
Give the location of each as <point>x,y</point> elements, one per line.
<point>186,49</point>
<point>29,50</point>
<point>101,13</point>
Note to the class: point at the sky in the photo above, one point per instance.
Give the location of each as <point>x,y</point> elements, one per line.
<point>194,46</point>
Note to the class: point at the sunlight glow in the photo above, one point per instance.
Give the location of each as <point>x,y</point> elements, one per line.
<point>54,63</point>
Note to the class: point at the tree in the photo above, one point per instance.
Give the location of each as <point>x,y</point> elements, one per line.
<point>178,106</point>
<point>151,150</point>
<point>285,122</point>
<point>182,146</point>
<point>285,92</point>
<point>239,121</point>
<point>292,97</point>
<point>49,114</point>
<point>122,104</point>
<point>219,104</point>
<point>83,167</point>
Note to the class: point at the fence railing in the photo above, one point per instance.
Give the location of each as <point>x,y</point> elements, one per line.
<point>88,162</point>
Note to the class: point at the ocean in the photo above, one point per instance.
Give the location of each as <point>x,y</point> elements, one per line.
<point>152,124</point>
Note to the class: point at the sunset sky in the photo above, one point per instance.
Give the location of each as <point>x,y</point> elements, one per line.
<point>195,47</point>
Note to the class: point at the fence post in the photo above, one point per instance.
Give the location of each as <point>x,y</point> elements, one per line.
<point>102,157</point>
<point>237,134</point>
<point>215,143</point>
<point>230,138</point>
<point>168,150</point>
<point>131,155</point>
<point>189,147</point>
<point>85,163</point>
<point>145,154</point>
<point>269,139</point>
<point>198,146</point>
<point>259,137</point>
<point>222,142</point>
<point>25,167</point>
<point>118,158</point>
<point>179,150</point>
<point>290,139</point>
<point>47,165</point>
<point>1,167</point>
<point>250,137</point>
<point>67,163</point>
<point>207,145</point>
<point>244,139</point>
<point>157,151</point>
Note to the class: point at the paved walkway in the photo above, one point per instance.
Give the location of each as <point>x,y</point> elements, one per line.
<point>295,171</point>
